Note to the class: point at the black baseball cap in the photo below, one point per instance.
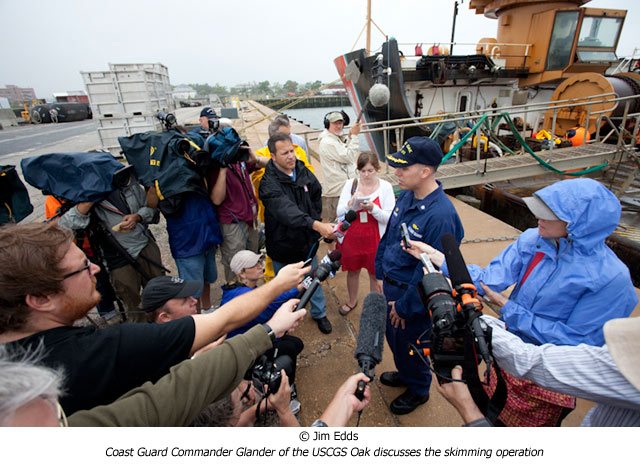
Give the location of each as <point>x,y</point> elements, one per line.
<point>417,150</point>
<point>163,288</point>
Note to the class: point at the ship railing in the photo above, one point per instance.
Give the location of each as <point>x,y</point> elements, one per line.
<point>495,50</point>
<point>486,120</point>
<point>627,62</point>
<point>490,118</point>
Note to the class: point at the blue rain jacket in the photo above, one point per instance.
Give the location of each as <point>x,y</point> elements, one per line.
<point>578,285</point>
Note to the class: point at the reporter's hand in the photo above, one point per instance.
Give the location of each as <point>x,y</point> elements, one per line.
<point>417,247</point>
<point>395,318</point>
<point>367,205</point>
<point>324,229</point>
<point>84,207</point>
<point>494,297</point>
<point>291,275</point>
<point>279,401</point>
<point>457,394</point>
<point>286,319</point>
<point>345,402</point>
<point>355,129</point>
<point>129,221</point>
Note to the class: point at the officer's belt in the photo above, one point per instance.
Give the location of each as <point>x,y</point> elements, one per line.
<point>395,283</point>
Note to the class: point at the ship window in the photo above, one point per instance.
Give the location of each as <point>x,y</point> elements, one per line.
<point>564,30</point>
<point>597,31</point>
<point>463,103</point>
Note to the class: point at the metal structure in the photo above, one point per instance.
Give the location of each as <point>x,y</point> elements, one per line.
<point>126,98</point>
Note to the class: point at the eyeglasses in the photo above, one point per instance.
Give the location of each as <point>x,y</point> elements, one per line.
<point>62,418</point>
<point>87,266</point>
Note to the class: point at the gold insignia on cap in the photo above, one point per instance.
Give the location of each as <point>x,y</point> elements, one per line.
<point>396,160</point>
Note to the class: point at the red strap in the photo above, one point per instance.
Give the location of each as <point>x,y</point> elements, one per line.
<point>537,258</point>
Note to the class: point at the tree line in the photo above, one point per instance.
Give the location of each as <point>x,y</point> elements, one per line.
<point>262,89</point>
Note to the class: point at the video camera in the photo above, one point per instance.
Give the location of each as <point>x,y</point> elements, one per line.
<point>168,119</point>
<point>224,147</point>
<point>458,335</point>
<point>266,371</point>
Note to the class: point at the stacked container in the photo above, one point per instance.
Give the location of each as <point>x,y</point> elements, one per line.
<point>125,100</point>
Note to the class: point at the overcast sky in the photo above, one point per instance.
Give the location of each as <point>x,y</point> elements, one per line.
<point>44,44</point>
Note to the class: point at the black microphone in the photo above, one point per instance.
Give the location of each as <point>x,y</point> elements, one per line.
<point>324,271</point>
<point>370,337</point>
<point>333,260</point>
<point>462,283</point>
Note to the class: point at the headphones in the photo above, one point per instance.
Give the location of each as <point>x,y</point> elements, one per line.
<point>345,118</point>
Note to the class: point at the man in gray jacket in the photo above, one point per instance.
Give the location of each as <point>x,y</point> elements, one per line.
<point>119,228</point>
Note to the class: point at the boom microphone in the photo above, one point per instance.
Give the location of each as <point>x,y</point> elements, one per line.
<point>370,337</point>
<point>379,95</point>
<point>455,263</point>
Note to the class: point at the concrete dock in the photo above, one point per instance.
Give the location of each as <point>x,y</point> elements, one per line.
<point>328,360</point>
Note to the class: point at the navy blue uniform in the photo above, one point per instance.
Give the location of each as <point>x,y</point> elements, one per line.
<point>427,220</point>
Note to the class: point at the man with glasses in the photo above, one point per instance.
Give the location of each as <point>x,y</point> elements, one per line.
<point>46,284</point>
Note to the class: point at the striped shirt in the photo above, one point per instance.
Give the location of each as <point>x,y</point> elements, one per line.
<point>583,371</point>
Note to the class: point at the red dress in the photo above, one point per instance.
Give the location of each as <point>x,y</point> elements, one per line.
<point>361,243</point>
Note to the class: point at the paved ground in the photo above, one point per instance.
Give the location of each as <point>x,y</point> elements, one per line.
<point>327,359</point>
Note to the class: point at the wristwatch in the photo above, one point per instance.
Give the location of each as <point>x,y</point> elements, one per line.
<point>320,423</point>
<point>270,332</point>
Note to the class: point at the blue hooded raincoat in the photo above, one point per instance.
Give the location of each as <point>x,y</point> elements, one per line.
<point>578,285</point>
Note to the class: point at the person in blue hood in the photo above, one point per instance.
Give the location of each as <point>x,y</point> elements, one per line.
<point>568,284</point>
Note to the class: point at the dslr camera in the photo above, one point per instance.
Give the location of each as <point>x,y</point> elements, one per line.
<point>266,371</point>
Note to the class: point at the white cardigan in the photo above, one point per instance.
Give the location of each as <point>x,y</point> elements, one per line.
<point>382,213</point>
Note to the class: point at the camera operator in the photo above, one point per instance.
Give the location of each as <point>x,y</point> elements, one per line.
<point>47,283</point>
<point>240,408</point>
<point>29,393</point>
<point>608,375</point>
<point>120,229</point>
<point>233,194</point>
<point>565,280</point>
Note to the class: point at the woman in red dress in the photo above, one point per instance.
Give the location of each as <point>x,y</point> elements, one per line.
<point>373,200</point>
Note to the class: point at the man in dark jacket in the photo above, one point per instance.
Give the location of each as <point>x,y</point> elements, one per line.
<point>292,198</point>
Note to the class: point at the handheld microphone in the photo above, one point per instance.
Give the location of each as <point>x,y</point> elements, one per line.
<point>463,285</point>
<point>331,259</point>
<point>342,226</point>
<point>370,337</point>
<point>324,271</point>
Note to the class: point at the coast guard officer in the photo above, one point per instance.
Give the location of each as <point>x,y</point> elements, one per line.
<point>428,214</point>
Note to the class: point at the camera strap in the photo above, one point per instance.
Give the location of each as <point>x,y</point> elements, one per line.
<point>492,406</point>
